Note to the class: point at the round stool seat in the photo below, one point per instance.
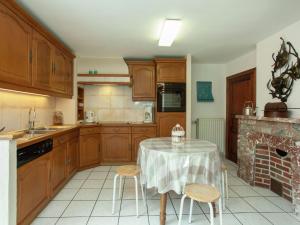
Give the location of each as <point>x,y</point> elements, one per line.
<point>202,192</point>
<point>128,170</point>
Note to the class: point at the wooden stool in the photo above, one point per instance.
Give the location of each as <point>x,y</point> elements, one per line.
<point>127,171</point>
<point>224,183</point>
<point>201,193</point>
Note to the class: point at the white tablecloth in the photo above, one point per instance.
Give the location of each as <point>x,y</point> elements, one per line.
<point>166,167</point>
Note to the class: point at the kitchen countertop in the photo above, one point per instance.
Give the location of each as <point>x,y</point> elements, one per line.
<point>24,139</point>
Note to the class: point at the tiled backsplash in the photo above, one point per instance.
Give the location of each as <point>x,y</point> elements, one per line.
<point>14,109</point>
<point>113,103</point>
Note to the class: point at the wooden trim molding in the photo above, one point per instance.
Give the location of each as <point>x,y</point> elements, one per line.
<point>103,83</point>
<point>103,75</point>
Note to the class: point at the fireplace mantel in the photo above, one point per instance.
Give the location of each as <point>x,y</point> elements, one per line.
<point>275,133</point>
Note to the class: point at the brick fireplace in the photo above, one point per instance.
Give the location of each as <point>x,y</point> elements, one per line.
<point>269,155</point>
<point>273,170</point>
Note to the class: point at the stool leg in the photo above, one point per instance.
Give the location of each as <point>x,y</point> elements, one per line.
<point>114,194</point>
<point>181,208</point>
<point>220,211</point>
<point>211,212</point>
<point>191,211</point>
<point>120,187</point>
<point>143,195</point>
<point>136,196</point>
<point>226,184</point>
<point>223,189</point>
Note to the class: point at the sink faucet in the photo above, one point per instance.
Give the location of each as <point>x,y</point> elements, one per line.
<point>31,119</point>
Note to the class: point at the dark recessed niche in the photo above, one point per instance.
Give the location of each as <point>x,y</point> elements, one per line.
<point>281,153</point>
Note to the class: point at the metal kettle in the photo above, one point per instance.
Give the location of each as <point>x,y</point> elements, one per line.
<point>249,109</point>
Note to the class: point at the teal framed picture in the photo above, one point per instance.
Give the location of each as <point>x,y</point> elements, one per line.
<point>204,91</point>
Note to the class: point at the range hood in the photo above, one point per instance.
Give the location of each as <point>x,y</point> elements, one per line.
<point>102,79</point>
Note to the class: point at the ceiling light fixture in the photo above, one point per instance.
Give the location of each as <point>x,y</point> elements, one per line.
<point>169,32</point>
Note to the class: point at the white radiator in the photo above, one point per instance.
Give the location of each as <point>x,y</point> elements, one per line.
<point>213,130</point>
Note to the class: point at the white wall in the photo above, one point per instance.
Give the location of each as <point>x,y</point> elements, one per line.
<point>242,63</point>
<point>216,74</point>
<point>265,49</point>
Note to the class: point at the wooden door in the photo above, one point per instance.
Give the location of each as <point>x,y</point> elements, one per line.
<point>166,121</point>
<point>69,77</point>
<point>136,139</point>
<point>15,49</point>
<point>58,77</point>
<point>72,155</point>
<point>33,188</point>
<point>143,86</point>
<point>89,150</point>
<point>58,172</point>
<point>116,147</point>
<point>240,88</point>
<point>42,66</point>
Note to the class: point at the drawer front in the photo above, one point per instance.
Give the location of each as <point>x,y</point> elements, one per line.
<point>91,130</point>
<point>64,138</point>
<point>144,130</point>
<point>118,130</point>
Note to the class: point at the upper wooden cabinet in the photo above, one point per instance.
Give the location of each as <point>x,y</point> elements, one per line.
<point>31,60</point>
<point>143,80</point>
<point>15,49</point>
<point>170,70</point>
<point>42,66</point>
<point>166,121</point>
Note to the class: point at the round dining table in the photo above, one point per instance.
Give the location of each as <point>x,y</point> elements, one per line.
<point>167,166</point>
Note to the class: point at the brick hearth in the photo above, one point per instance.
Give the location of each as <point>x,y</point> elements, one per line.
<point>258,161</point>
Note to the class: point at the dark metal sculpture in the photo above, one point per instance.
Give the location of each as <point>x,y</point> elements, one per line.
<point>286,71</point>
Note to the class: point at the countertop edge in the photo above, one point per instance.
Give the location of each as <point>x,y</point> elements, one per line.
<point>270,119</point>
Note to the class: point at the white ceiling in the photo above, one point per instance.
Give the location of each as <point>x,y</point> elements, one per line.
<point>213,31</point>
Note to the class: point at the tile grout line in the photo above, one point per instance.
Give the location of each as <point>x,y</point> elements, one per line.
<point>73,196</point>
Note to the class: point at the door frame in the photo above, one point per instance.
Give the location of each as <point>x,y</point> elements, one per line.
<point>238,77</point>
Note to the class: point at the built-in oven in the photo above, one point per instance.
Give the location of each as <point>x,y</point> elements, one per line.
<point>171,97</point>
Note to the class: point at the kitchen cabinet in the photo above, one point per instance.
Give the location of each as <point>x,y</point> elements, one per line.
<point>58,171</point>
<point>59,77</point>
<point>116,147</point>
<point>72,156</point>
<point>89,149</point>
<point>15,49</point>
<point>42,66</point>
<point>33,188</point>
<point>32,60</point>
<point>170,70</point>
<point>139,134</point>
<point>143,80</point>
<point>166,121</point>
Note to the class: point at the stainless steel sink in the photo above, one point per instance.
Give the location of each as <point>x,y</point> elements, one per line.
<point>41,130</point>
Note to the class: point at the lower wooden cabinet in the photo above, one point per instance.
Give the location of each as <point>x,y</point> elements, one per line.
<point>115,147</point>
<point>72,156</point>
<point>33,188</point>
<point>58,171</point>
<point>167,120</point>
<point>89,150</point>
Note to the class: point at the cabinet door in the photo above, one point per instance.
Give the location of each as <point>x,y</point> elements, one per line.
<point>72,155</point>
<point>69,77</point>
<point>89,149</point>
<point>136,139</point>
<point>143,86</point>
<point>58,77</point>
<point>166,121</point>
<point>33,188</point>
<point>42,66</point>
<point>173,72</point>
<point>15,49</point>
<point>58,172</point>
<point>116,147</point>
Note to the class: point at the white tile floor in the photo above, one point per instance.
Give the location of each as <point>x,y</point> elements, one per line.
<point>86,200</point>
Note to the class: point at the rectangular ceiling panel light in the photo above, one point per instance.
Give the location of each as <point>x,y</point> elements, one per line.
<point>169,32</point>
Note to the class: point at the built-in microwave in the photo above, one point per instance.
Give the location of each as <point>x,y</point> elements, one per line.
<point>171,97</point>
